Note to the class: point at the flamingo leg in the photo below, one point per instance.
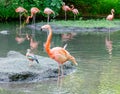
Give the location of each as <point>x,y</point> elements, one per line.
<point>48,18</point>
<point>74,16</point>
<point>20,15</point>
<point>109,33</point>
<point>58,81</point>
<point>65,16</point>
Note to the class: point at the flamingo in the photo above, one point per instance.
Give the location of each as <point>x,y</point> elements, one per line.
<point>48,11</point>
<point>65,8</point>
<point>59,54</point>
<point>33,10</point>
<point>74,10</point>
<point>20,10</point>
<point>33,43</point>
<point>111,16</point>
<point>30,56</point>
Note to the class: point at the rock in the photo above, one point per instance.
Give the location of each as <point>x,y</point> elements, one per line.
<point>15,67</point>
<point>4,32</point>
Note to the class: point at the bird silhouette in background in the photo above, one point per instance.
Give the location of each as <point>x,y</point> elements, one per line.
<point>74,11</point>
<point>59,54</point>
<point>33,11</point>
<point>110,16</point>
<point>33,43</point>
<point>21,11</point>
<point>65,8</point>
<point>31,57</point>
<point>48,11</point>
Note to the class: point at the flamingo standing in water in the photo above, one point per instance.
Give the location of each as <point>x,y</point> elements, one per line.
<point>59,54</point>
<point>110,16</point>
<point>20,10</point>
<point>74,10</point>
<point>65,8</point>
<point>48,11</point>
<point>34,10</point>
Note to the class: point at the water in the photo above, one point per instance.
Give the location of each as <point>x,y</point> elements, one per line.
<point>97,71</point>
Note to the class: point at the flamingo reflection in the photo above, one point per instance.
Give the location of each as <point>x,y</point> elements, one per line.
<point>67,36</point>
<point>108,44</point>
<point>33,43</point>
<point>20,39</point>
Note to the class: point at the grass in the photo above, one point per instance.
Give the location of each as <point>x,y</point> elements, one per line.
<point>88,23</point>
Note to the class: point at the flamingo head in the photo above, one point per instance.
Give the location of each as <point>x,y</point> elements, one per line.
<point>28,50</point>
<point>112,10</point>
<point>63,3</point>
<point>45,27</point>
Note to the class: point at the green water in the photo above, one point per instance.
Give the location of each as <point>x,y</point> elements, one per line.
<point>97,71</point>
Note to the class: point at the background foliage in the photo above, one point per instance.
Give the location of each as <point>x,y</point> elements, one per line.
<point>86,7</point>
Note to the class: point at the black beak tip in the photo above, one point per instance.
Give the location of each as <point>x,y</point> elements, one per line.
<point>41,29</point>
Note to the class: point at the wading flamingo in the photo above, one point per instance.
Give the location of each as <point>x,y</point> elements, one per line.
<point>59,54</point>
<point>21,11</point>
<point>74,11</point>
<point>111,16</point>
<point>33,43</point>
<point>48,11</point>
<point>65,8</point>
<point>33,10</point>
<point>30,56</point>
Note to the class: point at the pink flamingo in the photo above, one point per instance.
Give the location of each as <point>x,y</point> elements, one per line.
<point>48,11</point>
<point>20,10</point>
<point>74,10</point>
<point>34,10</point>
<point>111,16</point>
<point>59,54</point>
<point>65,8</point>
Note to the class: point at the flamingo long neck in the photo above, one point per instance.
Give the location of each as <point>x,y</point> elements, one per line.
<point>112,13</point>
<point>72,7</point>
<point>48,42</point>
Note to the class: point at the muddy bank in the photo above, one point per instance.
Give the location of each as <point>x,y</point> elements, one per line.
<point>15,68</point>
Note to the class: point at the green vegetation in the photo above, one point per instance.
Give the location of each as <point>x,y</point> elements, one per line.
<point>95,8</point>
<point>88,23</point>
<point>7,7</point>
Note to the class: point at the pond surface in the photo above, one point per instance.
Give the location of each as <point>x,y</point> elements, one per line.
<point>98,70</point>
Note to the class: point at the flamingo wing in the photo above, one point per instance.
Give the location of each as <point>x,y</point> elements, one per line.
<point>59,54</point>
